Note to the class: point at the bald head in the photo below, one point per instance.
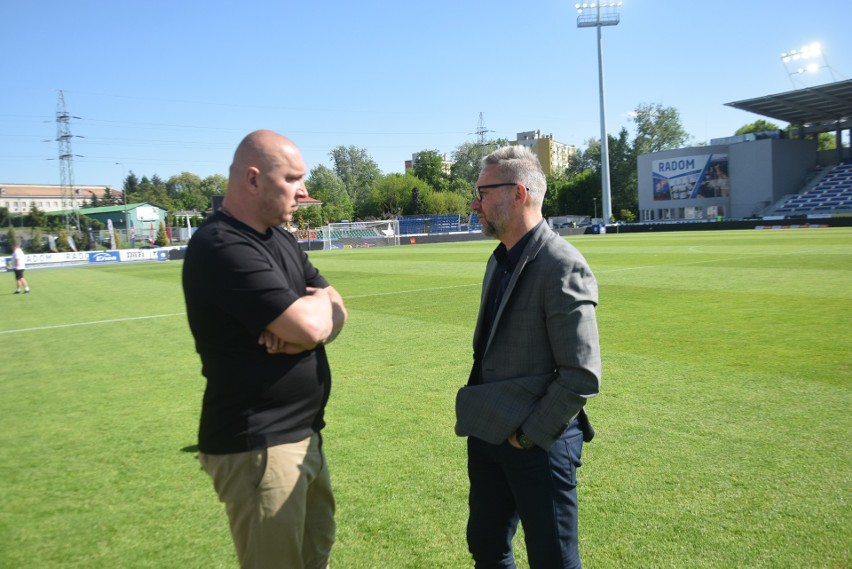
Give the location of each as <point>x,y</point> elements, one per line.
<point>260,149</point>
<point>265,180</point>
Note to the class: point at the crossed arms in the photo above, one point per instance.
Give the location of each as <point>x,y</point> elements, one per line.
<point>312,320</point>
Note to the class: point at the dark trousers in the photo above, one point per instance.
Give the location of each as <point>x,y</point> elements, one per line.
<point>535,486</point>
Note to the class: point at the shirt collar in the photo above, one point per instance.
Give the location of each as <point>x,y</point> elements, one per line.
<point>508,259</point>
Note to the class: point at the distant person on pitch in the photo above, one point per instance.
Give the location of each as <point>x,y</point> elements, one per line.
<point>19,264</point>
<point>261,315</point>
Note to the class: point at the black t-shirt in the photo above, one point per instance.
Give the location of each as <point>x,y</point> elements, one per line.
<point>236,281</point>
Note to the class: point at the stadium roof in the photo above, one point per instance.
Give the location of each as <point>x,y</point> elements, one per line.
<point>823,108</point>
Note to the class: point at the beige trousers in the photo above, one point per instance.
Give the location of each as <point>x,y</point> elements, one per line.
<point>279,503</point>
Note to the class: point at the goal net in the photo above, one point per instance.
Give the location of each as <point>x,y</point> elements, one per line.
<point>358,234</point>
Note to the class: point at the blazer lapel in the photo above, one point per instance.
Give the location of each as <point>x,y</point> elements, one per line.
<point>490,270</point>
<point>541,235</point>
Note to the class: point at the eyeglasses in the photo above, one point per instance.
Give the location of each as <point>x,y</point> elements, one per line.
<point>477,191</point>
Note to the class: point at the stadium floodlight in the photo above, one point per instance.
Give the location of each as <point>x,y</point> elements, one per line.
<point>807,59</point>
<point>808,51</point>
<point>597,15</point>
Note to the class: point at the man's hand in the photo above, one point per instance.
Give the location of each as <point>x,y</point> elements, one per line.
<point>513,440</point>
<point>318,308</point>
<point>275,345</point>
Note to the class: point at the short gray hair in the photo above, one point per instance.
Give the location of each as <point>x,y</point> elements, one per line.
<point>518,164</point>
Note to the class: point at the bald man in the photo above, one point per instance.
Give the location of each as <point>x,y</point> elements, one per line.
<point>261,315</point>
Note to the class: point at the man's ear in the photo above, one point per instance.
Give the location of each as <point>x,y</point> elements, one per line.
<point>521,194</point>
<point>251,178</point>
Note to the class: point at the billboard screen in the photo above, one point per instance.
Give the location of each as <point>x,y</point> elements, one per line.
<point>691,177</point>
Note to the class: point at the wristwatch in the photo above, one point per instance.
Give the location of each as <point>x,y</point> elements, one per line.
<point>523,440</point>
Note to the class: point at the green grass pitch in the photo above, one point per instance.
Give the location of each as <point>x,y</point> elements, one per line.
<point>723,422</point>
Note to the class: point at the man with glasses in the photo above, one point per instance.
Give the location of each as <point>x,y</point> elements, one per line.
<point>536,362</point>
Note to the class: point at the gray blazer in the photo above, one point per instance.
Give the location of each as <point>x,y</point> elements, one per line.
<point>542,358</point>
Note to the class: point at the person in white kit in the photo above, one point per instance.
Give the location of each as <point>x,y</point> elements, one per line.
<point>19,264</point>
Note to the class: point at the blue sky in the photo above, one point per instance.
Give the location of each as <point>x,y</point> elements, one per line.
<point>169,86</point>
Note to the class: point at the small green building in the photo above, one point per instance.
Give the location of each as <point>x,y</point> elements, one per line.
<point>139,221</point>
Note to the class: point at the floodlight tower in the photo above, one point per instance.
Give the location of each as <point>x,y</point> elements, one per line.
<point>66,163</point>
<point>596,15</point>
<point>807,59</point>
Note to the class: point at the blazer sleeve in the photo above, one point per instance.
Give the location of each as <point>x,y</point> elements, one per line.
<point>571,297</point>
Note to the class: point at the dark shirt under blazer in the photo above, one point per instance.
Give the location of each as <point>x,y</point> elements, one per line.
<point>541,358</point>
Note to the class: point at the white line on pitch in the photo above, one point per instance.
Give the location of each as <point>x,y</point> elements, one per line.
<point>113,320</point>
<point>90,323</point>
<point>410,291</point>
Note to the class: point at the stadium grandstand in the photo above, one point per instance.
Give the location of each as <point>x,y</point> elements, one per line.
<point>768,175</point>
<point>428,224</point>
<point>831,193</point>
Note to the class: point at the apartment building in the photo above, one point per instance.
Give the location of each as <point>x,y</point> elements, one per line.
<point>554,156</point>
<point>18,198</point>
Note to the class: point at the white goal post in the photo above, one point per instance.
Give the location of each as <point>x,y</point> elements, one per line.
<point>359,234</point>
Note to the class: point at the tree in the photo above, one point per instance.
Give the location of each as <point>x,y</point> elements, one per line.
<point>428,165</point>
<point>11,238</point>
<point>144,187</point>
<point>185,190</point>
<point>214,184</point>
<point>81,240</point>
<point>192,200</point>
<point>154,191</point>
<point>462,187</point>
<point>759,125</point>
<point>550,205</point>
<point>577,196</point>
<point>444,203</point>
<point>183,182</point>
<point>310,216</point>
<point>38,243</point>
<point>326,186</point>
<point>162,237</point>
<point>657,128</point>
<point>624,185</point>
<point>826,141</point>
<point>36,217</point>
<point>109,198</point>
<point>358,172</point>
<point>624,181</point>
<point>574,191</point>
<point>468,156</point>
<point>417,205</point>
<point>55,221</point>
<point>392,195</point>
<point>588,159</point>
<point>131,185</point>
<point>62,244</point>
